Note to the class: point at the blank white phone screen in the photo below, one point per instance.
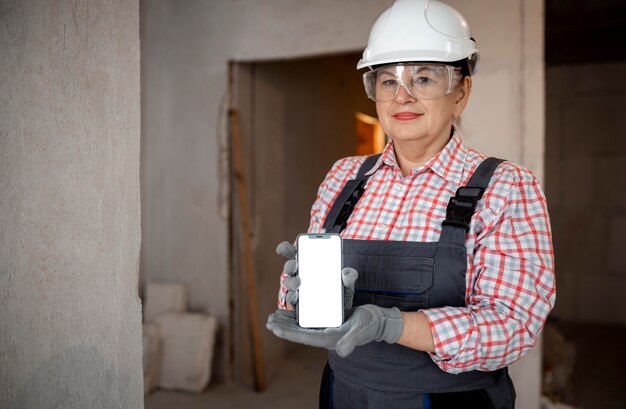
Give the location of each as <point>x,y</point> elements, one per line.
<point>320,300</point>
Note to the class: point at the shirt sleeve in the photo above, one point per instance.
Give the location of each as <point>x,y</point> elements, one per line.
<point>511,285</point>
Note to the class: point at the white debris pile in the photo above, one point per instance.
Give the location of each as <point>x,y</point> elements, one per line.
<point>152,356</point>
<point>178,346</point>
<point>162,298</point>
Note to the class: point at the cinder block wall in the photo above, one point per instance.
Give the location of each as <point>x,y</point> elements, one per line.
<point>70,317</point>
<point>586,189</point>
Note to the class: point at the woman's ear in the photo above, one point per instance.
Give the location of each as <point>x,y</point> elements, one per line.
<point>462,95</point>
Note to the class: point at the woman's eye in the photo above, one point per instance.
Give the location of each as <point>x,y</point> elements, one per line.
<point>389,83</point>
<point>422,81</point>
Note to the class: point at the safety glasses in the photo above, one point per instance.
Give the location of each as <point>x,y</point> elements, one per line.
<point>421,81</point>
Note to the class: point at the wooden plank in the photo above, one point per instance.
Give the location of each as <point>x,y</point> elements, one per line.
<point>244,211</point>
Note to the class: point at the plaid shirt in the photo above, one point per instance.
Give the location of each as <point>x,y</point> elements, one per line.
<point>510,286</point>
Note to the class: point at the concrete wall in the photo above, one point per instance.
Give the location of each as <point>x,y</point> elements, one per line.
<point>586,189</point>
<point>185,50</point>
<point>70,317</point>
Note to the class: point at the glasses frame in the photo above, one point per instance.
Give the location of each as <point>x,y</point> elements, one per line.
<point>454,76</point>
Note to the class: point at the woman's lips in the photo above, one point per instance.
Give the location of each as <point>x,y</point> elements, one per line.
<point>406,116</point>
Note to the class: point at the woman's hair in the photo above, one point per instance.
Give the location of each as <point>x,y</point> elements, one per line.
<point>457,123</point>
<point>457,126</point>
<point>463,65</point>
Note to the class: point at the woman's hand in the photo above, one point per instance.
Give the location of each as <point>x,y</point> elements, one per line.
<point>284,324</point>
<point>367,323</point>
<point>291,281</point>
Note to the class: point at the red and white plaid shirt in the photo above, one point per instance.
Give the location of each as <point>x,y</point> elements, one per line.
<point>510,286</point>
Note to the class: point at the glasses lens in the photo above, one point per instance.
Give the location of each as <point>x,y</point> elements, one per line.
<point>420,81</point>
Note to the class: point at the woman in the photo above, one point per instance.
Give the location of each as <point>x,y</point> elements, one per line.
<point>453,250</point>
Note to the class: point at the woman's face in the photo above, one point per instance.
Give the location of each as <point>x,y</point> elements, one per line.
<point>406,118</point>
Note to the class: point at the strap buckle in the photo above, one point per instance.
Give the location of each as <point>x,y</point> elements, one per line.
<point>358,187</point>
<point>461,207</point>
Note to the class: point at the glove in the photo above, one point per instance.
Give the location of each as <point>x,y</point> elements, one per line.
<point>370,323</point>
<point>291,281</point>
<point>367,323</point>
<point>284,322</point>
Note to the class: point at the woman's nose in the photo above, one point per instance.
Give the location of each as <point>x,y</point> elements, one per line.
<point>403,96</point>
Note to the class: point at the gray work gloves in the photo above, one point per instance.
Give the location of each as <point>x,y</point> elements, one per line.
<point>292,281</point>
<point>364,324</point>
<point>367,323</point>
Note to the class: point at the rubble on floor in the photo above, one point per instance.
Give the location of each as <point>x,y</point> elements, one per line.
<point>188,341</point>
<point>178,346</point>
<point>152,356</point>
<point>161,298</point>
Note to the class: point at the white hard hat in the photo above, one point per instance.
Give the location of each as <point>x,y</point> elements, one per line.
<point>420,30</point>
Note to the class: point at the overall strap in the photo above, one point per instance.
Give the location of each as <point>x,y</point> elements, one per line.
<point>345,203</point>
<point>461,206</point>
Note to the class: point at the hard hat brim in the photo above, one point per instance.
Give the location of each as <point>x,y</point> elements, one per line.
<point>410,56</point>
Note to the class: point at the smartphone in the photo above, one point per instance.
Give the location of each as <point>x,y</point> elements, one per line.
<point>320,299</point>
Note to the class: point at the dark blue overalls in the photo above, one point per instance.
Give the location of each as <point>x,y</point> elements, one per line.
<point>410,276</point>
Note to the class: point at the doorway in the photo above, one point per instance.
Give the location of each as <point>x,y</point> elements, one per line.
<point>297,117</point>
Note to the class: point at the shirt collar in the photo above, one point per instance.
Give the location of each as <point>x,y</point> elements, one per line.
<point>388,157</point>
<point>448,163</point>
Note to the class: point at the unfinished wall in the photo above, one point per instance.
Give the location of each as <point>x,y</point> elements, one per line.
<point>186,47</point>
<point>70,322</point>
<point>586,189</point>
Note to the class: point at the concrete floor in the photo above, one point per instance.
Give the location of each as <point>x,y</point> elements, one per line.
<point>598,381</point>
<point>295,385</point>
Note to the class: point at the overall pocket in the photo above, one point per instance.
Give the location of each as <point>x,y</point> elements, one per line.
<point>391,281</point>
